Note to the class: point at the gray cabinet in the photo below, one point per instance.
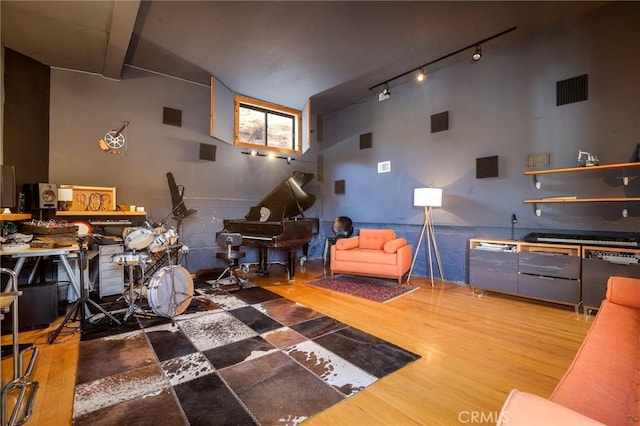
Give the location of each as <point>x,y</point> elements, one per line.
<point>111,274</point>
<point>540,271</point>
<point>598,264</point>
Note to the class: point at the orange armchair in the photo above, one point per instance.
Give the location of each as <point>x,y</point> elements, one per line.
<point>375,252</point>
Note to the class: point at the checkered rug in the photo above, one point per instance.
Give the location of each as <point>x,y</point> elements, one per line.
<point>233,358</point>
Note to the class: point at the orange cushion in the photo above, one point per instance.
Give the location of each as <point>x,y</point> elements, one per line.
<point>374,239</point>
<point>347,243</point>
<point>393,245</point>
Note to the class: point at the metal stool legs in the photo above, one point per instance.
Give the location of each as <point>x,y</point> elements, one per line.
<point>25,390</point>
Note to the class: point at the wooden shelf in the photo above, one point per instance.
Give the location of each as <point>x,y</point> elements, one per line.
<point>15,216</point>
<point>98,213</point>
<point>582,200</point>
<point>582,169</point>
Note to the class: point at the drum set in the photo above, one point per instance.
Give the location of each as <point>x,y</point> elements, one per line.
<point>169,289</point>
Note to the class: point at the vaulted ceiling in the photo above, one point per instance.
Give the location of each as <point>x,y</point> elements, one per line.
<point>284,52</point>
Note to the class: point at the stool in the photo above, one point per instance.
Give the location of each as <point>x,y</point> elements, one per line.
<point>26,390</point>
<point>231,256</point>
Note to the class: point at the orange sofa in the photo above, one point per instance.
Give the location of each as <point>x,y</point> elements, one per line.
<point>602,383</point>
<point>374,252</point>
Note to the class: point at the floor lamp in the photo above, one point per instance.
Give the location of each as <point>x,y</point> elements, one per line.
<point>428,198</point>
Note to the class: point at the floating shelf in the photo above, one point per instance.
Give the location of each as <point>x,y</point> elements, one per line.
<point>536,173</point>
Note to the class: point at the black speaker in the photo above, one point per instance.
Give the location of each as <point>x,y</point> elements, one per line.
<point>7,186</point>
<point>37,307</point>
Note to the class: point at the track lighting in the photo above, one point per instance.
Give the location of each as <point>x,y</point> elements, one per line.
<point>269,155</point>
<point>421,76</point>
<point>477,54</point>
<point>384,95</point>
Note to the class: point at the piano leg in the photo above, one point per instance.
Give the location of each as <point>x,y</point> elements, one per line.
<point>291,270</point>
<point>263,254</point>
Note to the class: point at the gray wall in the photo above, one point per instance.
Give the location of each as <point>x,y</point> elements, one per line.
<point>503,105</point>
<point>85,106</point>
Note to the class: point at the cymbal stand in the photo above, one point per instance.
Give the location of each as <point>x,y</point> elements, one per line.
<point>80,307</point>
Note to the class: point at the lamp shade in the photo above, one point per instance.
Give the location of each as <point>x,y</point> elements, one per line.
<point>431,197</point>
<point>65,194</point>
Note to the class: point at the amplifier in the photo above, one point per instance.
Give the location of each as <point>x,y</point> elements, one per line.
<point>37,307</point>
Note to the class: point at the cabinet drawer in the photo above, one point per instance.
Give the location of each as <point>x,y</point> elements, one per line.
<point>111,273</point>
<point>495,271</point>
<point>108,288</point>
<point>549,288</point>
<point>108,250</point>
<point>549,264</point>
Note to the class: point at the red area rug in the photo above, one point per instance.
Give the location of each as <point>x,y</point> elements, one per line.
<point>375,289</point>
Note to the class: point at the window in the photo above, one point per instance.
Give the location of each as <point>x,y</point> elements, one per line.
<point>262,125</point>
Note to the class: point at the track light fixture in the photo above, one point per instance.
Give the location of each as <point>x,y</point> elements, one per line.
<point>477,54</point>
<point>269,155</point>
<point>421,76</point>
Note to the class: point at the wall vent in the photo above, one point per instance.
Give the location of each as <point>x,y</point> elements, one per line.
<point>572,90</point>
<point>537,160</point>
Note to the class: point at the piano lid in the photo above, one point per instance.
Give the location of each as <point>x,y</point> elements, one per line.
<point>290,196</point>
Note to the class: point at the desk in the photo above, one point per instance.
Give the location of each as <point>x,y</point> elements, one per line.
<point>62,253</point>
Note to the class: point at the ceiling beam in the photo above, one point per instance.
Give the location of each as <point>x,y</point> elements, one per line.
<point>123,20</point>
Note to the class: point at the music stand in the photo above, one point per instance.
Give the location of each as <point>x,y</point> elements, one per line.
<point>81,305</point>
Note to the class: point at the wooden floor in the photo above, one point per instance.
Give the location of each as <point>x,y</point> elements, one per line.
<point>474,350</point>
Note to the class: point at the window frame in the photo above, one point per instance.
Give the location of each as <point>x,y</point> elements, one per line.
<point>295,114</point>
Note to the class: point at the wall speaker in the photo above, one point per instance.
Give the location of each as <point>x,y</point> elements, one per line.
<point>340,187</point>
<point>207,152</point>
<point>7,186</point>
<point>47,195</point>
<point>366,140</point>
<point>487,167</point>
<point>172,117</point>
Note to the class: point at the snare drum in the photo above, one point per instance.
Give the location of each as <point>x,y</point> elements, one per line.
<point>130,258</point>
<point>170,291</point>
<point>138,239</point>
<point>163,240</point>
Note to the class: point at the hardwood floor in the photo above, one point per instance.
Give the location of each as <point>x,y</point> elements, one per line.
<point>474,350</point>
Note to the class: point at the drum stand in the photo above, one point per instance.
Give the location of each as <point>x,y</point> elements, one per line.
<point>174,303</point>
<point>80,307</point>
<point>133,308</point>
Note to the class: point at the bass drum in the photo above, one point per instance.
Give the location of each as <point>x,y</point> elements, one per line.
<point>170,291</point>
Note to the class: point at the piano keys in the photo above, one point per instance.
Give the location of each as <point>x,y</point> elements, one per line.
<point>278,222</point>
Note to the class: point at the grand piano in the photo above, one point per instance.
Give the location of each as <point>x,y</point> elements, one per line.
<point>278,222</point>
